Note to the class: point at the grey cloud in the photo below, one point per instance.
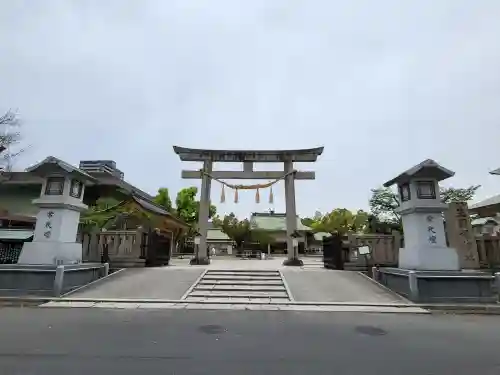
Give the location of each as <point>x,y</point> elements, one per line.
<point>382,85</point>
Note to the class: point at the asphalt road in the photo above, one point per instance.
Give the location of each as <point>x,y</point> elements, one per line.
<point>98,341</point>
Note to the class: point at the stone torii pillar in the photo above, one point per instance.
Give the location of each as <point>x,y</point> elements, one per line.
<point>291,215</point>
<point>248,158</point>
<point>204,213</point>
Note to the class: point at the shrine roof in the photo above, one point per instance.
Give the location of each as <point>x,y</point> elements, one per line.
<point>51,164</point>
<point>426,169</point>
<point>217,235</point>
<point>275,222</point>
<point>258,156</point>
<point>157,210</point>
<point>492,204</point>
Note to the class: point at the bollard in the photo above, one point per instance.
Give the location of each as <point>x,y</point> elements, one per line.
<point>375,273</point>
<point>413,281</point>
<point>58,281</point>
<point>106,269</point>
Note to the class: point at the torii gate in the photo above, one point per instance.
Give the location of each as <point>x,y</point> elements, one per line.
<point>248,157</point>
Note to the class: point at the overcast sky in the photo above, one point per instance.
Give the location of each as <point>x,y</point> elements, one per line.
<point>381,84</point>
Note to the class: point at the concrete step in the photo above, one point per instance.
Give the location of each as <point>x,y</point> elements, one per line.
<point>230,300</point>
<point>239,288</point>
<point>241,278</point>
<point>240,285</point>
<point>248,294</point>
<point>243,271</point>
<point>241,282</point>
<point>260,274</point>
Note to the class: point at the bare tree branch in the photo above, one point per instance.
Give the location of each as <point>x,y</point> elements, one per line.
<point>9,137</point>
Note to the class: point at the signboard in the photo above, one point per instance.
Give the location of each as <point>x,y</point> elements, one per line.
<point>363,250</point>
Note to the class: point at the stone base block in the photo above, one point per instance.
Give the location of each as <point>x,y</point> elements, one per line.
<point>47,280</point>
<point>427,258</point>
<point>293,262</point>
<point>51,253</point>
<point>127,262</point>
<point>439,286</point>
<point>199,261</point>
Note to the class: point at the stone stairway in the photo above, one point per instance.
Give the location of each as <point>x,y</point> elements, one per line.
<point>264,286</point>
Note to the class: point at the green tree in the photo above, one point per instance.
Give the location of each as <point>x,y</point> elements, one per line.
<point>449,195</point>
<point>104,211</point>
<point>109,212</point>
<point>383,204</point>
<point>384,201</point>
<point>340,220</point>
<point>187,207</point>
<point>238,230</point>
<point>309,221</point>
<point>163,199</point>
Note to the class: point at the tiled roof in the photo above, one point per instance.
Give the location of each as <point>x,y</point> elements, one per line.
<point>273,222</point>
<point>483,221</point>
<point>428,167</point>
<point>215,234</point>
<point>15,234</point>
<point>51,160</point>
<point>158,210</point>
<point>492,201</point>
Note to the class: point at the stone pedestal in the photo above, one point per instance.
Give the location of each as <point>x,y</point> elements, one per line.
<point>47,280</point>
<point>293,262</point>
<point>199,261</point>
<point>439,286</point>
<point>54,241</point>
<point>425,243</point>
<point>424,258</point>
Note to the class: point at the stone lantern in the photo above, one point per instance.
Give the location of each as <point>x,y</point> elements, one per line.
<point>421,212</point>
<point>60,205</point>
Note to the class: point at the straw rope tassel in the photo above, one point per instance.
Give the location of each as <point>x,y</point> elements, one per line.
<point>271,196</point>
<point>257,196</point>
<point>222,195</point>
<point>235,195</point>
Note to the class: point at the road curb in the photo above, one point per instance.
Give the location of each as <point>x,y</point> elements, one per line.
<point>432,308</point>
<point>487,309</point>
<point>158,300</point>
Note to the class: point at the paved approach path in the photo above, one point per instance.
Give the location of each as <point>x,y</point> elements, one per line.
<point>223,279</point>
<point>321,285</point>
<point>146,283</point>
